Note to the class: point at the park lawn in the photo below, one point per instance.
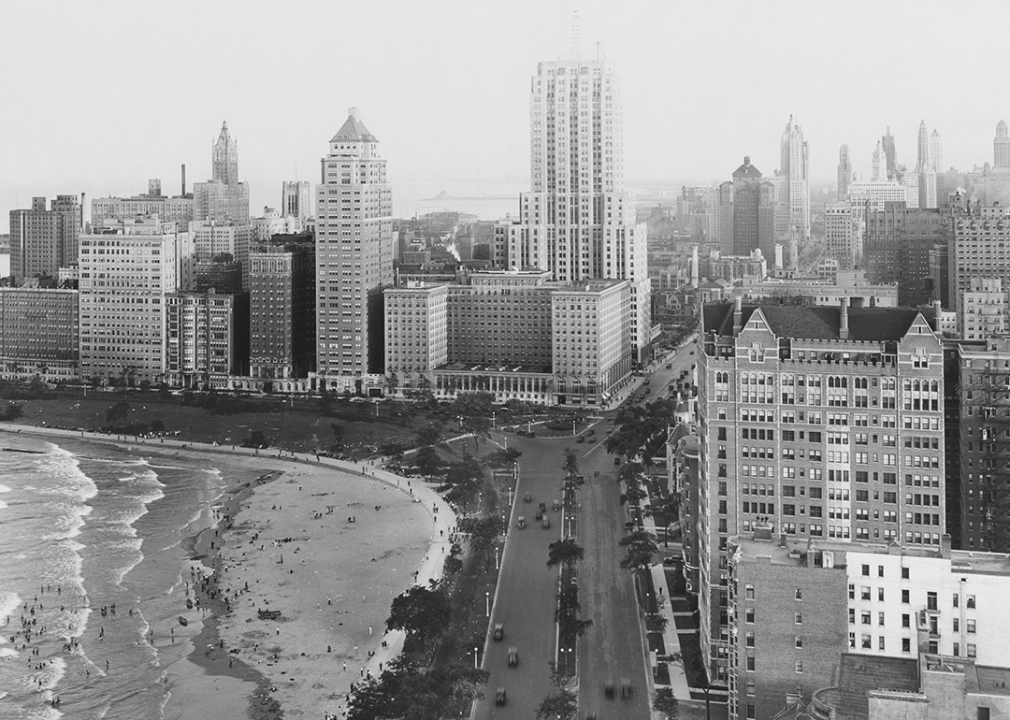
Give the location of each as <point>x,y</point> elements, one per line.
<point>296,426</point>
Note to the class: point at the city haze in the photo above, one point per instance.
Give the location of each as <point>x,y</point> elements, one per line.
<point>102,96</point>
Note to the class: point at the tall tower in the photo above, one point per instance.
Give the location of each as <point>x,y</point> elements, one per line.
<point>295,200</point>
<point>891,153</point>
<point>844,172</point>
<point>922,158</point>
<point>795,169</point>
<point>225,163</point>
<point>746,200</point>
<point>354,259</point>
<point>935,152</point>
<point>578,220</point>
<point>1001,147</point>
<point>876,176</point>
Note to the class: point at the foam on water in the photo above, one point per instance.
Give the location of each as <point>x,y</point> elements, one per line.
<point>9,602</point>
<point>4,489</point>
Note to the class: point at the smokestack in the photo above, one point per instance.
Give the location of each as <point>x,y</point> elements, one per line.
<point>843,331</point>
<point>737,315</point>
<point>184,179</point>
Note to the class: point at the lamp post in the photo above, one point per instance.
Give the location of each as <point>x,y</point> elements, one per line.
<point>487,600</point>
<point>475,667</point>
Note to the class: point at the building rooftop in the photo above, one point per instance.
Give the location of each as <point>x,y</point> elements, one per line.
<point>477,368</point>
<point>816,323</point>
<point>859,673</point>
<point>353,130</point>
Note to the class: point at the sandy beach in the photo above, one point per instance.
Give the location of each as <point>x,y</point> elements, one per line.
<point>324,543</point>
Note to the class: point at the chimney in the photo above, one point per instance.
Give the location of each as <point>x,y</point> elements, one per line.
<point>737,315</point>
<point>353,112</point>
<point>184,180</point>
<point>843,330</point>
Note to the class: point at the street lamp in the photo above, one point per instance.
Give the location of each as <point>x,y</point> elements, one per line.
<point>487,601</point>
<point>475,657</point>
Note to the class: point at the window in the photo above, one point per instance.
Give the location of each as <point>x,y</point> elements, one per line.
<point>982,713</point>
<point>749,615</point>
<point>904,573</point>
<point>799,594</point>
<point>970,626</point>
<point>906,645</point>
<point>799,618</point>
<point>799,642</point>
<point>749,592</point>
<point>750,662</point>
<point>906,620</point>
<point>865,642</point>
<point>971,601</point>
<point>799,666</point>
<point>866,571</point>
<point>749,640</point>
<point>971,650</point>
<point>904,596</point>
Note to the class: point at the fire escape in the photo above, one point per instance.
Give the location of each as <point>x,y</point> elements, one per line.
<point>995,396</point>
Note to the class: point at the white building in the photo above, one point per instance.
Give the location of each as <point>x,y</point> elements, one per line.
<point>416,330</point>
<point>956,597</point>
<point>840,234</point>
<point>984,309</point>
<point>296,200</point>
<point>273,222</point>
<point>354,259</point>
<point>795,191</point>
<point>125,274</point>
<point>577,220</point>
<point>876,194</point>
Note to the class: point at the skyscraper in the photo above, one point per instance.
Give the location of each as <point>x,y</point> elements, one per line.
<point>296,200</point>
<point>225,162</point>
<point>224,201</point>
<point>922,157</point>
<point>1001,147</point>
<point>795,169</point>
<point>877,175</point>
<point>354,259</point>
<point>935,151</point>
<point>891,153</point>
<point>844,173</point>
<point>753,212</point>
<point>577,217</point>
<point>43,241</point>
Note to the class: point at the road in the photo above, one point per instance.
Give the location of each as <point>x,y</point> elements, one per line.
<point>527,588</point>
<point>614,646</point>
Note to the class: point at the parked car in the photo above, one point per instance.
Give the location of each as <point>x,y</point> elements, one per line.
<point>499,696</point>
<point>617,461</point>
<point>513,656</point>
<point>580,439</point>
<point>608,688</point>
<point>546,522</point>
<point>521,522</point>
<point>625,688</point>
<point>528,498</point>
<point>499,631</point>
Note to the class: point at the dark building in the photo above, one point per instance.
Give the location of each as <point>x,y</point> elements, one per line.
<point>223,275</point>
<point>282,282</point>
<point>746,202</point>
<point>898,247</point>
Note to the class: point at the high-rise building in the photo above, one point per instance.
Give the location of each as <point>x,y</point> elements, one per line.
<point>42,241</point>
<point>207,340</point>
<point>177,209</point>
<point>898,243</point>
<point>839,235</point>
<point>984,310</point>
<point>721,216</point>
<point>39,329</point>
<point>815,422</point>
<point>225,161</point>
<point>577,214</point>
<point>354,259</point>
<point>1001,148</point>
<point>296,200</point>
<point>282,301</point>
<point>935,151</point>
<point>795,169</point>
<point>929,149</point>
<point>125,274</point>
<point>922,148</point>
<point>878,165</point>
<point>890,153</point>
<point>980,249</point>
<point>844,173</point>
<point>747,200</point>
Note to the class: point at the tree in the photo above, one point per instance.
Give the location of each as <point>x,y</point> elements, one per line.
<point>157,425</point>
<point>565,552</point>
<point>13,411</point>
<point>428,435</point>
<point>421,612</point>
<point>427,461</point>
<point>571,464</point>
<point>484,534</point>
<point>559,705</point>
<point>393,450</point>
<point>566,614</point>
<point>502,457</point>
<point>665,702</point>
<point>117,413</point>
<point>338,437</point>
<point>668,507</point>
<point>256,439</point>
<point>477,426</point>
<point>641,547</point>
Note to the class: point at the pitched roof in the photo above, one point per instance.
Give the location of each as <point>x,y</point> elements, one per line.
<point>817,323</point>
<point>747,170</point>
<point>353,130</point>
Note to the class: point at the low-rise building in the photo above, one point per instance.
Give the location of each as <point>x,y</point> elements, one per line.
<point>38,333</point>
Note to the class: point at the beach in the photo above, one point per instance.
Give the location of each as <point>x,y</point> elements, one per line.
<point>320,547</point>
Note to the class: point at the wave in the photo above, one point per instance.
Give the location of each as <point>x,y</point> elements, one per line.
<point>4,489</point>
<point>9,602</point>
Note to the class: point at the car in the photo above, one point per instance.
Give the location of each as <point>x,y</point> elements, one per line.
<point>625,688</point>
<point>608,688</point>
<point>617,461</point>
<point>669,366</point>
<point>521,522</point>
<point>500,696</point>
<point>528,498</point>
<point>648,390</point>
<point>692,352</point>
<point>546,522</point>
<point>580,479</point>
<point>499,631</point>
<point>580,439</point>
<point>539,514</point>
<point>513,656</point>
<point>591,715</point>
<point>542,507</point>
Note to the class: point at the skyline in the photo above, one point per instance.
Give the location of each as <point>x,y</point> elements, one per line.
<point>445,88</point>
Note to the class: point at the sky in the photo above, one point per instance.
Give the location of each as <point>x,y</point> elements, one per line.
<point>99,96</point>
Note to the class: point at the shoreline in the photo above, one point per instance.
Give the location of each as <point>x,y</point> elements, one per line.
<point>217,660</point>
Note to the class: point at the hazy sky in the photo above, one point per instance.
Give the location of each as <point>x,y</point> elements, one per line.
<point>99,96</point>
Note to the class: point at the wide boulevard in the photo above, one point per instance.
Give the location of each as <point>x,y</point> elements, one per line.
<point>613,648</point>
